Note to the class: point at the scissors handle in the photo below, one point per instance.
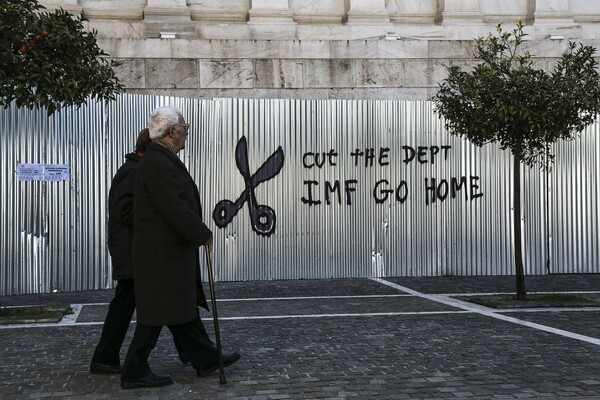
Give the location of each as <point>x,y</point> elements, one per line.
<point>263,220</point>
<point>262,217</point>
<point>224,212</point>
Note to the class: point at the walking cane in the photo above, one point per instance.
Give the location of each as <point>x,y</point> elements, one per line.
<point>213,300</point>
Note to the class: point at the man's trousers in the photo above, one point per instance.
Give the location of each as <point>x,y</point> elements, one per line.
<point>192,338</point>
<point>116,323</point>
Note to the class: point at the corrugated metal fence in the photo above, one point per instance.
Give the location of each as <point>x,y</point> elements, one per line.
<point>367,189</point>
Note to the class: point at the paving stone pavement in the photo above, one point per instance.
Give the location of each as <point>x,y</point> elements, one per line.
<point>394,338</point>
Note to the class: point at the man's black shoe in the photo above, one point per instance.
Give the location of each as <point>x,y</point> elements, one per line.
<point>98,368</point>
<point>184,358</point>
<point>228,359</point>
<point>149,380</point>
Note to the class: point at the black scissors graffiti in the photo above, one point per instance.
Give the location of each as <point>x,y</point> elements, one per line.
<point>262,217</point>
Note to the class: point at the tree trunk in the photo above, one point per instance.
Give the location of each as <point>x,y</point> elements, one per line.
<point>518,245</point>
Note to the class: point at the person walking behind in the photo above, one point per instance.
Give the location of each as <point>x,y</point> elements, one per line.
<point>105,359</point>
<point>168,230</point>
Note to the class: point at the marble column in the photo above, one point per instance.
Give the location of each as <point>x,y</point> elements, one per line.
<point>269,19</point>
<point>270,12</point>
<point>219,11</point>
<point>113,9</point>
<point>459,12</point>
<point>318,11</point>
<point>70,6</point>
<point>554,20</point>
<point>508,12</point>
<point>412,11</point>
<point>167,10</point>
<point>168,16</point>
<point>362,12</point>
<point>585,11</point>
<point>553,12</point>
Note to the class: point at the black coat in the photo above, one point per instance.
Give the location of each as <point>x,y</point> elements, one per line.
<point>168,229</point>
<point>120,217</point>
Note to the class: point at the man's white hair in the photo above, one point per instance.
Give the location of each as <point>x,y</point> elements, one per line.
<point>161,119</point>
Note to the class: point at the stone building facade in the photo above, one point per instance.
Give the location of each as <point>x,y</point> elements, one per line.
<point>316,49</point>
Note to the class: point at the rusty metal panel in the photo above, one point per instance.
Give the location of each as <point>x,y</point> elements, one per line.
<point>356,188</point>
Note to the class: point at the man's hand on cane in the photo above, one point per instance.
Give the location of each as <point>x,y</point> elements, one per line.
<point>209,245</point>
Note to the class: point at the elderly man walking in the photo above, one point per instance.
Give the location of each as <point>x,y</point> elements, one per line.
<point>168,230</point>
<point>120,237</point>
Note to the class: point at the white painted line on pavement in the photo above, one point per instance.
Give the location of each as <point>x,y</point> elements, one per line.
<point>245,299</point>
<point>503,293</point>
<point>252,317</point>
<point>353,315</point>
<point>70,319</point>
<point>366,296</point>
<point>545,309</point>
<point>488,312</point>
<point>46,325</point>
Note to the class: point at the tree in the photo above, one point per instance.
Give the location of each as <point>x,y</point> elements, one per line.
<point>48,60</point>
<point>506,100</point>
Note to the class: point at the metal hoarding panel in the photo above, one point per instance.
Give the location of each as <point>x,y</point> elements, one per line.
<point>367,189</point>
<point>341,229</point>
<point>573,193</point>
<point>22,219</point>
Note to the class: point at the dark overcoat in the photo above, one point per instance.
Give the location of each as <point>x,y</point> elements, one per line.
<point>168,229</point>
<point>120,217</point>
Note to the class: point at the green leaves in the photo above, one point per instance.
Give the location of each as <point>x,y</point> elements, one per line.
<point>48,60</point>
<point>505,100</point>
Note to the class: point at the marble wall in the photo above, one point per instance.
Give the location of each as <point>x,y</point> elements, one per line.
<point>315,48</point>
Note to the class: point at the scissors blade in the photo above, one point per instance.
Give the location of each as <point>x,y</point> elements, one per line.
<point>269,168</point>
<point>241,157</point>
